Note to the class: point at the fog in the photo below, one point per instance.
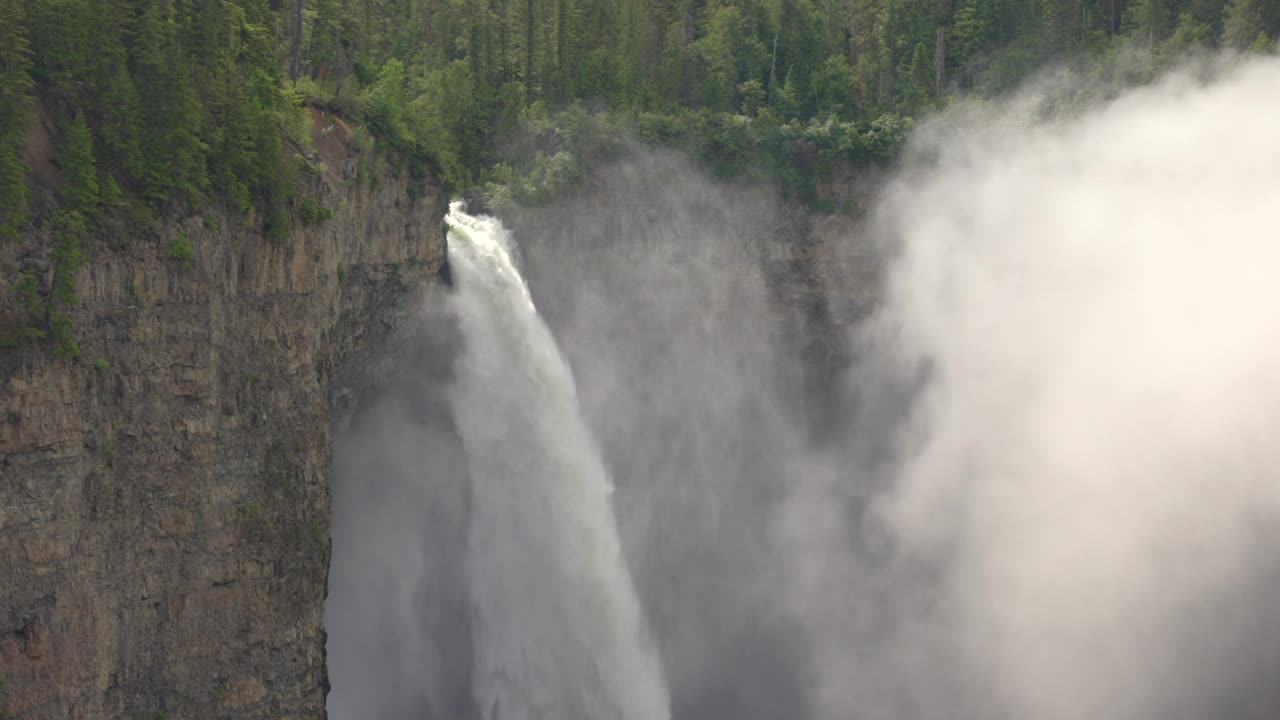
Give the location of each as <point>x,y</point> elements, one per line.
<point>1089,466</point>
<point>397,611</point>
<point>1002,449</point>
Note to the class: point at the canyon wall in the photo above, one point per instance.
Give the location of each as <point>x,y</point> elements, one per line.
<point>165,499</point>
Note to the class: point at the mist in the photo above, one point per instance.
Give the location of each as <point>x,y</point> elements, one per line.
<point>397,611</point>
<point>1001,449</point>
<point>1088,468</point>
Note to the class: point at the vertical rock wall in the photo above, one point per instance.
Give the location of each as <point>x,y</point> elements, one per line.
<point>164,501</point>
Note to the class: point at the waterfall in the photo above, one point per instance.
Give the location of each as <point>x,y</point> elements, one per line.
<point>557,629</point>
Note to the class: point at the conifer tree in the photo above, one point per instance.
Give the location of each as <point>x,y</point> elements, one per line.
<point>1062,24</point>
<point>1243,23</point>
<point>974,26</point>
<point>16,104</point>
<point>79,190</point>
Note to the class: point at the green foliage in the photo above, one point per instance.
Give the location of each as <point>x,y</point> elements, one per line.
<point>792,153</point>
<point>386,103</point>
<point>1151,20</point>
<point>1261,44</point>
<point>973,31</point>
<point>16,103</point>
<point>164,105</point>
<point>101,364</point>
<point>278,225</point>
<point>181,250</point>
<point>79,189</point>
<point>832,86</point>
<point>173,149</point>
<point>70,229</point>
<point>753,96</point>
<point>1189,34</point>
<point>313,213</point>
<point>1243,24</point>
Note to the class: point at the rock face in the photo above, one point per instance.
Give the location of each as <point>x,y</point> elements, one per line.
<point>165,501</point>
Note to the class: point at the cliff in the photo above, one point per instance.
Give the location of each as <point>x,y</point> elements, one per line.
<point>165,501</point>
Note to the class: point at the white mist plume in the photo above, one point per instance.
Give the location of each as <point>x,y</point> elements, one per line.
<point>1090,475</point>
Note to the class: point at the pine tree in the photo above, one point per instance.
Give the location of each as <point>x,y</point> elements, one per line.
<point>974,27</point>
<point>1261,44</point>
<point>16,104</point>
<point>70,228</point>
<point>173,152</point>
<point>1243,23</point>
<point>1062,24</point>
<point>1152,20</point>
<point>79,191</point>
<point>119,126</point>
<point>60,33</point>
<point>832,86</point>
<point>921,71</point>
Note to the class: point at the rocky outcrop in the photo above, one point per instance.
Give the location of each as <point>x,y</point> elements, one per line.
<point>165,500</point>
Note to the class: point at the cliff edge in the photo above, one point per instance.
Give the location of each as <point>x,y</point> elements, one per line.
<point>165,500</point>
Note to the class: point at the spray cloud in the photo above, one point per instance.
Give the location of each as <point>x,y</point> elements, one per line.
<point>1088,474</point>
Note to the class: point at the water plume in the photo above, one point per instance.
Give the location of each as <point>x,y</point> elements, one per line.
<point>1085,489</point>
<point>558,632</point>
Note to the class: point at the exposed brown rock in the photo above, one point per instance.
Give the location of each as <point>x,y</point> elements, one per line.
<point>164,516</point>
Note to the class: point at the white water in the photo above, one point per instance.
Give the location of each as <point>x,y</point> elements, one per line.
<point>558,630</point>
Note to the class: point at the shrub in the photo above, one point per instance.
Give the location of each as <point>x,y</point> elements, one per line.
<point>180,249</point>
<point>313,213</point>
<point>361,140</point>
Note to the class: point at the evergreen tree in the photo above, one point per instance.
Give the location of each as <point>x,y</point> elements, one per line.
<point>974,29</point>
<point>1062,24</point>
<point>16,104</point>
<point>1243,24</point>
<point>1152,20</point>
<point>173,152</point>
<point>119,125</point>
<point>921,75</point>
<point>79,190</point>
<point>61,32</point>
<point>173,99</point>
<point>70,229</point>
<point>832,86</point>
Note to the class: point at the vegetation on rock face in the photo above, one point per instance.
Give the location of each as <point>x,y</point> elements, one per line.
<point>16,103</point>
<point>164,104</point>
<point>180,249</point>
<point>313,213</point>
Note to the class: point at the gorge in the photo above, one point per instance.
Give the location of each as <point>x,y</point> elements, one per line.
<point>678,447</point>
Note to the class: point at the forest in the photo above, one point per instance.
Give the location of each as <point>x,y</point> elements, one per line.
<point>164,104</point>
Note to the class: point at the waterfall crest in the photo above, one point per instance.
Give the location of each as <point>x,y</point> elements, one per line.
<point>558,631</point>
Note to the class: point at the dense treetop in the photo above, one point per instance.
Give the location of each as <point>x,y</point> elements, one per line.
<point>187,98</point>
<point>161,106</point>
